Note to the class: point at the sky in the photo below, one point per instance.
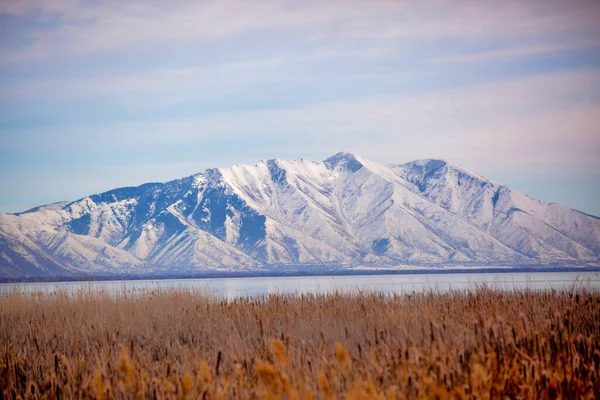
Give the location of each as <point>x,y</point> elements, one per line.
<point>96,95</point>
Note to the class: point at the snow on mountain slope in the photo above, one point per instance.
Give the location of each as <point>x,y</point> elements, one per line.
<point>41,250</point>
<point>391,220</point>
<point>196,249</point>
<point>533,228</point>
<point>344,211</point>
<point>19,255</point>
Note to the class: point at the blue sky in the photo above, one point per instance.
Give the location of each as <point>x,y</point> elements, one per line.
<point>96,95</point>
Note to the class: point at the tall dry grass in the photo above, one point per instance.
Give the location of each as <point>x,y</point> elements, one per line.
<point>178,344</point>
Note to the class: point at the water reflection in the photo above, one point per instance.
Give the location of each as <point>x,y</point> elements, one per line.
<point>229,288</point>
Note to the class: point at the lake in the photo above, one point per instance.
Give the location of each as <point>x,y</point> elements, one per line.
<point>229,288</point>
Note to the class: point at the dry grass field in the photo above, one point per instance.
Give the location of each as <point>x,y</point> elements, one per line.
<point>178,344</point>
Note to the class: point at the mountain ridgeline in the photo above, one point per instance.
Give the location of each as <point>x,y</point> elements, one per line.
<point>293,214</point>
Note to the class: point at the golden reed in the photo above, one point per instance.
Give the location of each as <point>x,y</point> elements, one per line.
<point>180,344</point>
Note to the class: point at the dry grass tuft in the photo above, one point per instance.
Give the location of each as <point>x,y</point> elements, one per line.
<point>178,344</point>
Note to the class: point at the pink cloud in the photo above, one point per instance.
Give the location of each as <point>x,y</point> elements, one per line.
<point>85,27</point>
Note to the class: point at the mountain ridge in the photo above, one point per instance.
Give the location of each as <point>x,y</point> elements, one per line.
<point>346,210</point>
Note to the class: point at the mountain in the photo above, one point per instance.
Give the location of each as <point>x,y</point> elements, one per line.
<point>345,211</point>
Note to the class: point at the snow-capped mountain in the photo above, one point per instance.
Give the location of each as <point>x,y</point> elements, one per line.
<point>344,211</point>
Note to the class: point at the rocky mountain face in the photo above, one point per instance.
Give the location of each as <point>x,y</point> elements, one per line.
<point>345,211</point>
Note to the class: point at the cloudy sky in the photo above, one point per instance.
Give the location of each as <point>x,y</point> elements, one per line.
<point>100,94</point>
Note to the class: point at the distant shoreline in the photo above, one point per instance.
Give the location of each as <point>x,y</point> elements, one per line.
<point>321,271</point>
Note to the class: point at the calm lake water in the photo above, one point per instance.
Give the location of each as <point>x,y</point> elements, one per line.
<point>262,286</point>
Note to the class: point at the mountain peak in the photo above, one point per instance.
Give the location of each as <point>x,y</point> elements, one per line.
<point>345,159</point>
<point>429,163</point>
<point>429,166</point>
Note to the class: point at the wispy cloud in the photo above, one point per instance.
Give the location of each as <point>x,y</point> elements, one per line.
<point>68,27</point>
<point>131,91</point>
<point>589,45</point>
<point>546,120</point>
<point>221,75</point>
